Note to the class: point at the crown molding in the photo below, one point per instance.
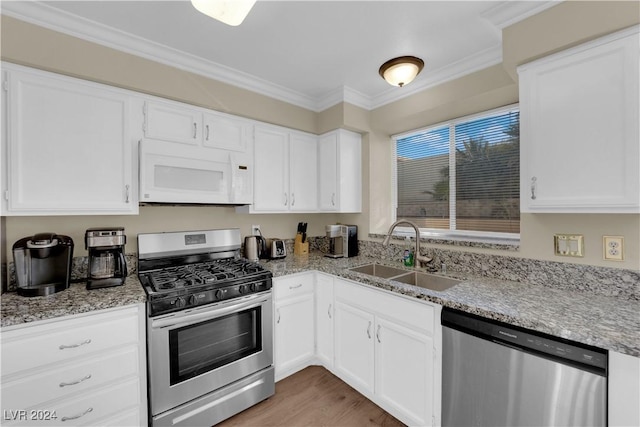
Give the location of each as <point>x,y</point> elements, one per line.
<point>509,12</point>
<point>54,19</point>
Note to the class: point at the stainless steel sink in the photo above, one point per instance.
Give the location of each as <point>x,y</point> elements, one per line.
<point>427,281</point>
<point>379,270</point>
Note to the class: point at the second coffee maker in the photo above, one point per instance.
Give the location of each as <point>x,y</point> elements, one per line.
<point>343,240</point>
<point>107,265</point>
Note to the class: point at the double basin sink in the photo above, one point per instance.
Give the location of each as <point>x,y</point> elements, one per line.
<point>415,278</point>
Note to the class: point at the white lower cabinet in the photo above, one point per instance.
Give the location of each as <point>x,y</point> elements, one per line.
<point>385,348</point>
<point>624,390</point>
<point>294,323</point>
<point>325,314</point>
<point>78,370</point>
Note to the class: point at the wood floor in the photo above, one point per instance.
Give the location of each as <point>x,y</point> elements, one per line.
<point>313,397</point>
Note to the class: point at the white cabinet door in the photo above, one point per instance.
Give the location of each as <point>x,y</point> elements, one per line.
<point>340,171</point>
<point>294,334</point>
<point>69,148</point>
<point>580,146</point>
<point>303,172</point>
<point>271,176</point>
<point>354,347</point>
<point>169,121</point>
<point>324,319</point>
<point>624,390</point>
<point>226,132</point>
<point>328,172</point>
<point>404,371</point>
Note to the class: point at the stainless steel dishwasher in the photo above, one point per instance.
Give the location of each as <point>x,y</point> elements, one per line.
<point>494,374</point>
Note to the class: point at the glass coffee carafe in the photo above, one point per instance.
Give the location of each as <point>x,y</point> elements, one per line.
<point>107,265</point>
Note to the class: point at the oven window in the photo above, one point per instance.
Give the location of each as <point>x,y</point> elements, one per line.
<point>205,346</point>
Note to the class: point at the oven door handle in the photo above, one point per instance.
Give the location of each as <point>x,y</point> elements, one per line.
<point>184,319</point>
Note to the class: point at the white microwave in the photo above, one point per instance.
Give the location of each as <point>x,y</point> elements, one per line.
<point>178,173</point>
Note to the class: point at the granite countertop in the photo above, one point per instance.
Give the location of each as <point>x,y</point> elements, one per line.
<point>606,322</point>
<point>16,309</point>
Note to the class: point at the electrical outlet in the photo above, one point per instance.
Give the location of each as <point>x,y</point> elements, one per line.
<point>569,245</point>
<point>255,230</point>
<point>613,248</point>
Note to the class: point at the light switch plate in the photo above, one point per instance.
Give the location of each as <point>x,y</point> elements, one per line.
<point>569,245</point>
<point>613,248</point>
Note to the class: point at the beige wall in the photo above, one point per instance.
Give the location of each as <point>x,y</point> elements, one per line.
<point>556,28</point>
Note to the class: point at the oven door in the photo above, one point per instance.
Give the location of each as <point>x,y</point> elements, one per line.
<point>195,352</point>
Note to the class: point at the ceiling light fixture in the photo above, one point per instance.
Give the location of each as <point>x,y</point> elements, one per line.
<point>401,71</point>
<point>231,12</point>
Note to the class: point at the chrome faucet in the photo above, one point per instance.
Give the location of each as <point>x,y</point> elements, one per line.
<point>418,259</point>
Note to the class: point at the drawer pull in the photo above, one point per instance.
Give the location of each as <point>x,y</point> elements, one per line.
<point>278,321</point>
<point>299,285</point>
<point>64,346</point>
<point>86,377</point>
<point>75,417</point>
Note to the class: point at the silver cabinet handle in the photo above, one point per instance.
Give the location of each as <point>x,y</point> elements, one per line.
<point>86,377</point>
<point>286,199</point>
<point>333,199</point>
<point>534,181</point>
<point>65,346</point>
<point>369,330</point>
<point>126,188</point>
<point>329,311</point>
<point>195,130</point>
<point>299,285</point>
<point>75,417</point>
<point>378,333</point>
<point>278,321</point>
<point>293,199</point>
<point>206,128</point>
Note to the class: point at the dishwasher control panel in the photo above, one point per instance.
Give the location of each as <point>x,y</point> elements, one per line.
<point>524,339</point>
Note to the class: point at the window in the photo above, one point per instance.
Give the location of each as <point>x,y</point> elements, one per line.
<point>462,176</point>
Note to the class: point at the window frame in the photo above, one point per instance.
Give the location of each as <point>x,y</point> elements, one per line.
<point>467,237</point>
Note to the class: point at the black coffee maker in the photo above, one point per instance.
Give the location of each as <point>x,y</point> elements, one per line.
<point>43,264</point>
<point>107,266</point>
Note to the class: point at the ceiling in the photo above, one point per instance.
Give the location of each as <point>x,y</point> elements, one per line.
<point>310,53</point>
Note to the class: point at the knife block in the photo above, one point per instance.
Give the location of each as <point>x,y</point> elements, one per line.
<point>300,248</point>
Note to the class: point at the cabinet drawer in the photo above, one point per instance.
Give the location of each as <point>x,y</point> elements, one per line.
<point>70,379</point>
<point>291,286</point>
<point>87,409</point>
<point>416,315</point>
<point>34,346</point>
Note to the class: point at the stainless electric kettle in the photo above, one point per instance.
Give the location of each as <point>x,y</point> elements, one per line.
<point>255,247</point>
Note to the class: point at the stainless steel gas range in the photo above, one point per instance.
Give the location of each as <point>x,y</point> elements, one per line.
<point>209,327</point>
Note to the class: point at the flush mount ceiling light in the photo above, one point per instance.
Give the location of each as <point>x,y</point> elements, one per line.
<point>231,12</point>
<point>402,70</point>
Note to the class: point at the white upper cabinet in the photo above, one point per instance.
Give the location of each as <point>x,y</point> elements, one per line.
<point>285,178</point>
<point>68,146</point>
<point>176,122</point>
<point>580,146</point>
<point>340,171</point>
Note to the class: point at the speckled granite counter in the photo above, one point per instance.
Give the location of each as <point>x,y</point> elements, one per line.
<point>16,309</point>
<point>606,322</point>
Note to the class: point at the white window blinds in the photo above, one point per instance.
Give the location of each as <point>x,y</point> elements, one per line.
<point>462,175</point>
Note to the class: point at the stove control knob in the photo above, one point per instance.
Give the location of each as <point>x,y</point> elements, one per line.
<point>219,294</point>
<point>242,289</point>
<point>193,300</point>
<point>179,302</point>
<point>252,287</point>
